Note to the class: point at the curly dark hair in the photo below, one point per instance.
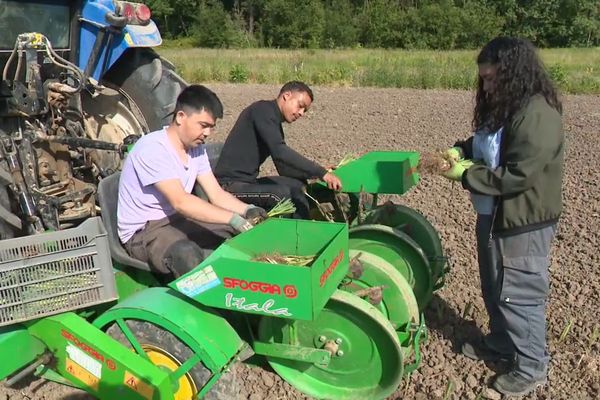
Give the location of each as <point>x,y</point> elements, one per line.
<point>520,75</point>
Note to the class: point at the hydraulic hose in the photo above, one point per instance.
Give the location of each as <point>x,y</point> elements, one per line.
<point>9,62</point>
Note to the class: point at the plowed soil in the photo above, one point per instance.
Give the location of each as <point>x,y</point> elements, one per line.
<point>349,120</point>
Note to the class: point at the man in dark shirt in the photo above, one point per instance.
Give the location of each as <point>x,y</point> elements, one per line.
<point>258,134</point>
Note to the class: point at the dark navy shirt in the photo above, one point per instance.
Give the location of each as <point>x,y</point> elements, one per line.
<point>256,135</point>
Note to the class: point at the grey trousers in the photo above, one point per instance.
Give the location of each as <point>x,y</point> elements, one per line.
<point>515,284</point>
<point>489,275</point>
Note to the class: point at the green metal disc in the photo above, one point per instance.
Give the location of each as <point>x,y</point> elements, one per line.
<point>416,226</point>
<point>398,303</point>
<point>369,365</point>
<point>391,254</point>
<point>408,249</point>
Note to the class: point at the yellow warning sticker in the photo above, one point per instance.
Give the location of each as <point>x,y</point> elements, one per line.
<point>80,373</point>
<point>136,384</point>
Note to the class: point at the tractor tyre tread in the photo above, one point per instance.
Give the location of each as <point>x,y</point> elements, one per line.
<point>151,82</point>
<point>226,388</point>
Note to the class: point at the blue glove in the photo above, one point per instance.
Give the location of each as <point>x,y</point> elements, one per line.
<point>239,223</point>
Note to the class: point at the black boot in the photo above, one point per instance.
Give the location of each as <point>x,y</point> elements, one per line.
<point>482,352</point>
<point>513,384</point>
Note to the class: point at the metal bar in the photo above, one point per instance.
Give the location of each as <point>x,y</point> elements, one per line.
<point>374,201</point>
<point>95,55</point>
<point>421,332</point>
<point>360,212</point>
<point>74,32</point>
<point>208,385</point>
<point>131,338</point>
<point>84,142</point>
<point>297,353</point>
<point>185,367</point>
<point>44,359</point>
<point>340,206</point>
<point>108,53</point>
<point>93,23</point>
<point>244,353</point>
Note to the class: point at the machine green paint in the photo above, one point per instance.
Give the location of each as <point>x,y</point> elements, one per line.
<point>230,278</point>
<point>95,362</point>
<point>383,172</point>
<point>347,326</point>
<point>418,228</point>
<point>394,233</point>
<point>19,349</point>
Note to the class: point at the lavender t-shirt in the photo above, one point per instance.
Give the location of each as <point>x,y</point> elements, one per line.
<point>153,159</point>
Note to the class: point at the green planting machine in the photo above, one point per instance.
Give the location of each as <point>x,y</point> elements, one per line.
<point>389,235</point>
<point>345,323</point>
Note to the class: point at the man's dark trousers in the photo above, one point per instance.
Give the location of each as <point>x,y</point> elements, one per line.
<point>267,191</point>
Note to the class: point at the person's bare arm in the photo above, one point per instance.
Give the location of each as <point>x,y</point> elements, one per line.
<point>191,206</point>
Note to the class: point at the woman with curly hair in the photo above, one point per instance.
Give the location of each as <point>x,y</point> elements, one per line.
<point>515,186</point>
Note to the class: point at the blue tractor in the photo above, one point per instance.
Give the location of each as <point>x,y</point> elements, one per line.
<point>80,81</point>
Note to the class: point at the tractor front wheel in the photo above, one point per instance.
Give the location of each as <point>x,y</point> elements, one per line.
<point>149,81</point>
<point>165,350</point>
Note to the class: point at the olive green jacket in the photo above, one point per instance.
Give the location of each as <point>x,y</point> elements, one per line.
<point>528,180</point>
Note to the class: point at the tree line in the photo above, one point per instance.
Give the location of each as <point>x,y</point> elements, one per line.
<point>409,24</point>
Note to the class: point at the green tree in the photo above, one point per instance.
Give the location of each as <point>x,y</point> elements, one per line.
<point>585,30</point>
<point>170,18</point>
<point>293,23</point>
<point>551,23</point>
<point>433,26</point>
<point>341,28</point>
<point>213,26</point>
<point>478,24</point>
<point>380,24</point>
<point>438,24</point>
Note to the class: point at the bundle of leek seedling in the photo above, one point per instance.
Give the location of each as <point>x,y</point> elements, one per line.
<point>320,207</point>
<point>283,207</point>
<point>433,163</point>
<point>347,158</point>
<point>440,161</point>
<point>276,258</point>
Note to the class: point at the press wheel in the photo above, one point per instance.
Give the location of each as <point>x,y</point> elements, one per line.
<point>366,364</point>
<point>416,226</point>
<point>391,254</point>
<point>407,250</point>
<point>398,303</point>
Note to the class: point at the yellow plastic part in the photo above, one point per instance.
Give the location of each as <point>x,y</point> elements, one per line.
<point>160,357</point>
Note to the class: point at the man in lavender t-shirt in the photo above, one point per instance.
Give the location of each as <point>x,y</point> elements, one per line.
<point>159,220</point>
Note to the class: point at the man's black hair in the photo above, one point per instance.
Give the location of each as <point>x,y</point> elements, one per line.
<point>198,98</point>
<point>297,86</point>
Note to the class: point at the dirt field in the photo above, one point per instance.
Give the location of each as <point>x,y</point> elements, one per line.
<point>357,120</point>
